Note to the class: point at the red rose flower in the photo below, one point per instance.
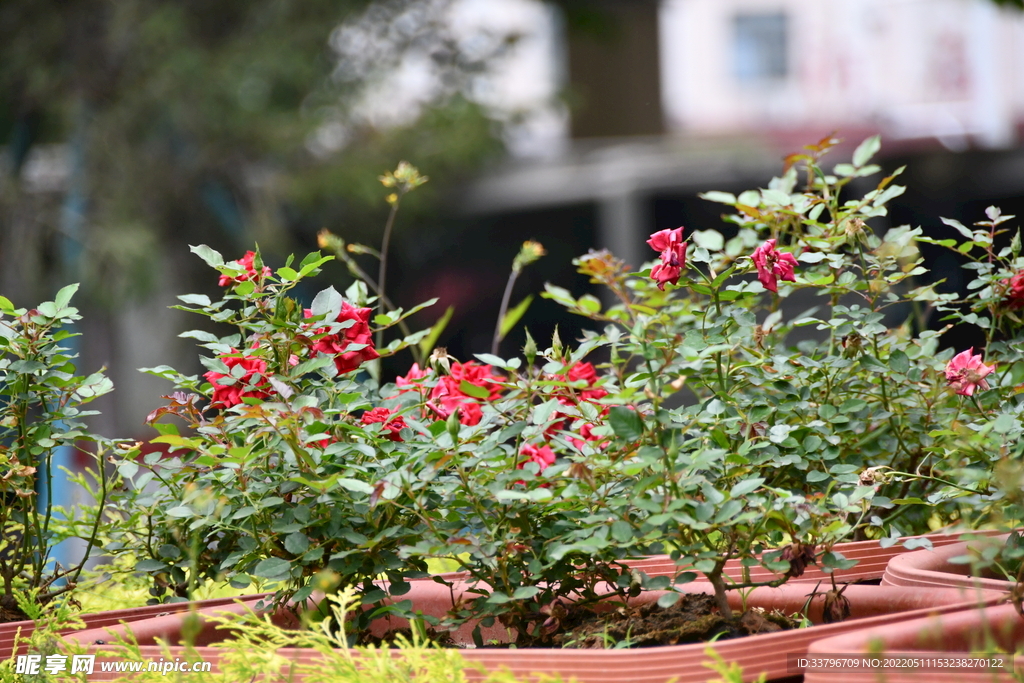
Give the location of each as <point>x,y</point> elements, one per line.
<point>673,256</point>
<point>480,375</point>
<point>409,383</point>
<point>447,396</point>
<point>585,371</point>
<point>586,431</point>
<point>773,265</point>
<point>543,456</point>
<point>337,345</point>
<point>250,273</point>
<point>1014,296</point>
<point>383,416</point>
<point>229,391</point>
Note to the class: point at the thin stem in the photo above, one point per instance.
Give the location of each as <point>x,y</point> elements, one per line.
<point>496,339</point>
<point>383,272</point>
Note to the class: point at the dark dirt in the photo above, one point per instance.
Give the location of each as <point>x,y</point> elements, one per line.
<point>390,639</point>
<point>693,619</point>
<point>9,610</point>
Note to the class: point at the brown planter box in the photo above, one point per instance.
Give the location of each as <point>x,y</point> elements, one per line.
<point>21,630</point>
<point>871,606</point>
<point>871,557</point>
<point>932,568</point>
<point>949,636</point>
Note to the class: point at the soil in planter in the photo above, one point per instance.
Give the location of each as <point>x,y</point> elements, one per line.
<point>391,638</point>
<point>694,618</point>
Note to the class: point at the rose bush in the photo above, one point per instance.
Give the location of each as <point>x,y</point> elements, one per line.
<point>759,394</point>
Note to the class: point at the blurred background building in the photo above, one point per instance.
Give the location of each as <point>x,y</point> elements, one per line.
<point>131,129</point>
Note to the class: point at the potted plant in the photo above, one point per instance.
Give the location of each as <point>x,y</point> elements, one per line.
<point>689,423</point>
<point>771,653</point>
<point>963,645</point>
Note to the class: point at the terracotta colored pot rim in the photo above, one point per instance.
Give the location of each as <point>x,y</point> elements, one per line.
<point>951,635</point>
<point>870,605</point>
<point>926,568</point>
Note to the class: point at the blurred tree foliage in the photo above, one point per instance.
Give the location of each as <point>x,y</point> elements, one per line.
<point>218,121</point>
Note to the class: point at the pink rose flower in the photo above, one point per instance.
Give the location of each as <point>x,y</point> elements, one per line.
<point>773,265</point>
<point>337,344</point>
<point>543,456</point>
<point>409,382</point>
<point>673,256</point>
<point>383,416</point>
<point>966,371</point>
<point>231,393</point>
<point>245,262</point>
<point>586,431</point>
<point>1014,296</point>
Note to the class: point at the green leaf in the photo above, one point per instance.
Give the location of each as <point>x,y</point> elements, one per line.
<point>837,561</point>
<point>729,509</point>
<point>287,274</point>
<point>866,150</point>
<point>852,405</point>
<point>626,423</point>
<point>959,227</point>
<point>296,543</point>
<point>327,303</point>
<point>211,256</point>
<point>150,566</point>
<point>498,598</point>
<point>491,359</point>
<point>312,262</point>
<point>559,294</point>
<point>899,361</point>
<point>711,240</point>
<point>196,299</point>
<point>513,316</point>
<point>720,197</point>
<point>525,592</point>
<point>668,599</point>
<point>64,295</point>
<point>355,485</point>
<point>473,390</point>
<point>589,303</point>
<point>274,568</point>
<point>428,342</point>
<point>315,363</point>
<point>622,531</point>
<point>1004,423</point>
<point>745,487</point>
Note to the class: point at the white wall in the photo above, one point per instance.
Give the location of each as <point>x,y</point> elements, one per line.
<point>911,68</point>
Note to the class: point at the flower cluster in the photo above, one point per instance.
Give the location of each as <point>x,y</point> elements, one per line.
<point>382,415</point>
<point>351,346</point>
<point>449,395</point>
<point>772,265</point>
<point>230,388</point>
